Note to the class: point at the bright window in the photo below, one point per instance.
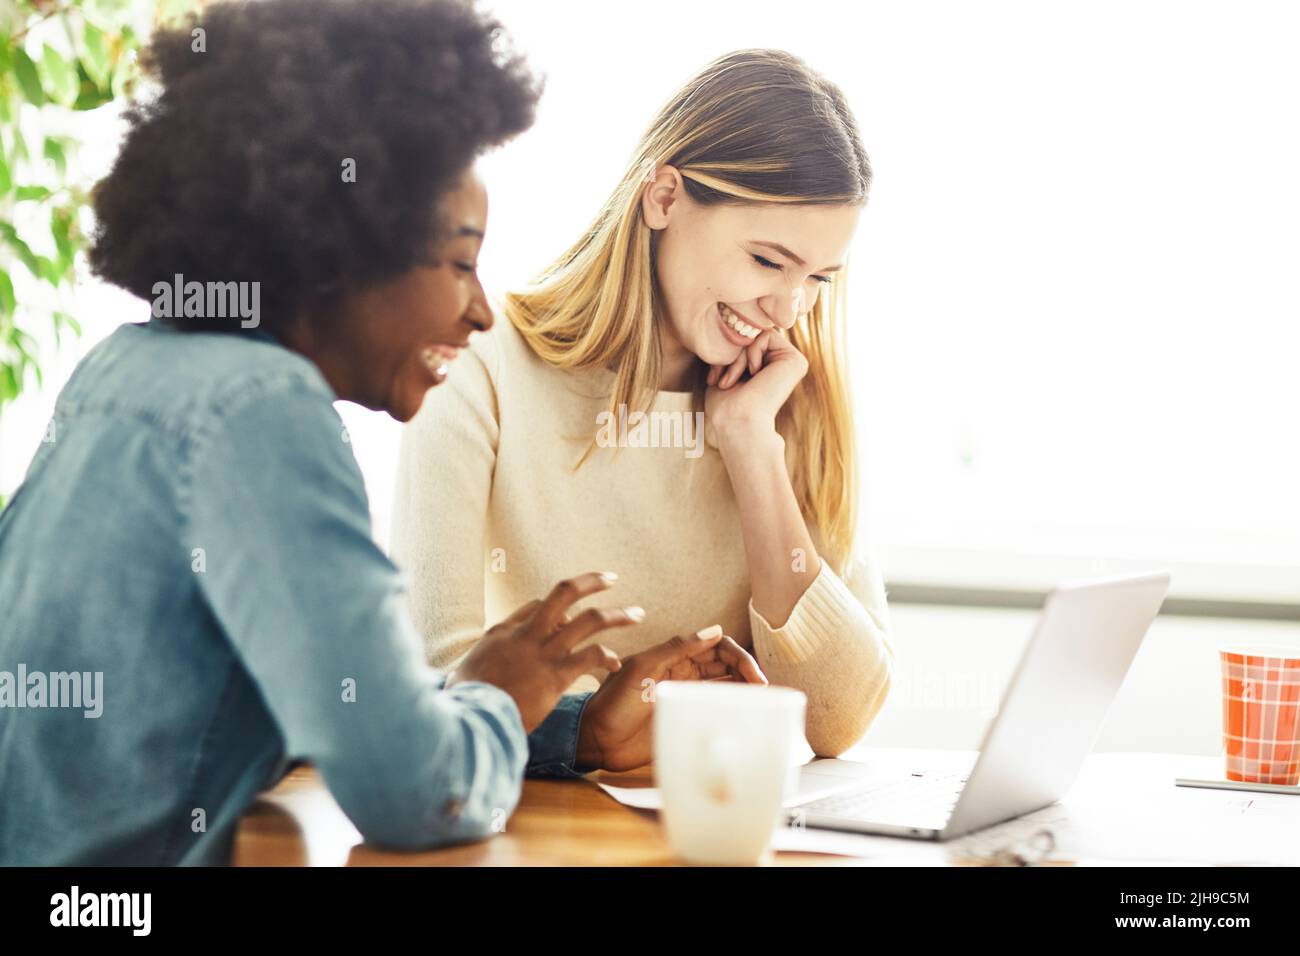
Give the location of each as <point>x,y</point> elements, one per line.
<point>1074,307</point>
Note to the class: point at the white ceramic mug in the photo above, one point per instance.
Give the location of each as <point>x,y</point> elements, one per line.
<point>723,766</point>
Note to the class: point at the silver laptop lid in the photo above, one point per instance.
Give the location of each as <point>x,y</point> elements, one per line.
<point>1057,699</point>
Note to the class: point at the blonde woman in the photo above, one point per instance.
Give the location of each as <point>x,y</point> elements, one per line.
<point>710,282</point>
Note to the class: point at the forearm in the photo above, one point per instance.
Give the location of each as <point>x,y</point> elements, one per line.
<point>810,630</point>
<point>779,551</point>
<point>450,774</point>
<point>835,650</point>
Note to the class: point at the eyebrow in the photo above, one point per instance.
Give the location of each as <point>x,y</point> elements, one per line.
<point>470,231</point>
<point>790,255</point>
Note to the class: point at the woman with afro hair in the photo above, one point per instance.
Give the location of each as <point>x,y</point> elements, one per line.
<point>192,598</point>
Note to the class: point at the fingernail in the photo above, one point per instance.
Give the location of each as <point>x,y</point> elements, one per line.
<point>710,632</point>
<point>635,613</point>
<point>609,577</point>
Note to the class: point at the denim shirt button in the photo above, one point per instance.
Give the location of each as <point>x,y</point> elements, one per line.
<point>452,808</point>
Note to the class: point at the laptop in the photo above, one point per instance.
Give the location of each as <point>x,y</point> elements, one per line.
<point>1049,719</point>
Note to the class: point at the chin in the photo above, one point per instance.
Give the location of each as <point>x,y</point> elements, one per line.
<point>719,353</point>
<point>405,407</point>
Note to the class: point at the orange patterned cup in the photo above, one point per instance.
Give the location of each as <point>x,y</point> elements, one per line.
<point>1261,712</point>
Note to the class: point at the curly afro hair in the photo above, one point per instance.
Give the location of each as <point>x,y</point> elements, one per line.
<point>235,169</point>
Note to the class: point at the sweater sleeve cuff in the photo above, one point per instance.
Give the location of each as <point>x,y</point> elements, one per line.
<point>821,612</point>
<point>553,746</point>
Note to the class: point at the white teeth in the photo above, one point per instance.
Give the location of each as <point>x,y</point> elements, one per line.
<point>740,325</point>
<point>434,362</point>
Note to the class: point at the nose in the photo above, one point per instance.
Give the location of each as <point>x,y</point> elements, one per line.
<point>479,313</point>
<point>785,307</point>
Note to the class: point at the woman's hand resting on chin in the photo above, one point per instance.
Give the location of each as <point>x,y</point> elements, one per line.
<point>743,398</point>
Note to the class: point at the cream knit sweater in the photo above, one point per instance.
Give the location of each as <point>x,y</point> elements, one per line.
<point>489,514</point>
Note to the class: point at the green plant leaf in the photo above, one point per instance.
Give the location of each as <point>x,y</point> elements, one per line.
<point>29,80</point>
<point>27,355</point>
<point>63,318</point>
<point>23,193</point>
<point>21,249</point>
<point>9,387</point>
<point>6,180</point>
<point>7,300</point>
<point>91,95</point>
<point>61,230</point>
<point>20,145</point>
<point>95,59</point>
<point>53,151</point>
<point>62,77</point>
<point>51,271</point>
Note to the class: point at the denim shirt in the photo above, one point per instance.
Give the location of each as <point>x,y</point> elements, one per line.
<point>193,541</point>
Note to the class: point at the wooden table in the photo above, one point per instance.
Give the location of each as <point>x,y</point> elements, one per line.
<point>557,823</point>
<point>1124,804</point>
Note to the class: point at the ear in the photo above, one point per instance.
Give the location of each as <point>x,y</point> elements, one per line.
<point>660,195</point>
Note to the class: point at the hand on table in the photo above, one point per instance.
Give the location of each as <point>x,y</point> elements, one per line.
<point>617,725</point>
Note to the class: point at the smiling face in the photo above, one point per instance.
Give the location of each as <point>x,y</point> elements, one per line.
<point>728,272</point>
<point>388,344</point>
<point>421,320</point>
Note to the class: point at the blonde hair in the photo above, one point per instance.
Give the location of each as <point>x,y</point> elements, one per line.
<point>753,126</point>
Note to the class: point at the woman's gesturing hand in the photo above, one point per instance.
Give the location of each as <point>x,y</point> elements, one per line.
<point>530,654</point>
<point>735,403</point>
<point>616,729</point>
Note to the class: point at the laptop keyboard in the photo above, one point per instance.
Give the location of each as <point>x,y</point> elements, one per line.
<point>927,791</point>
